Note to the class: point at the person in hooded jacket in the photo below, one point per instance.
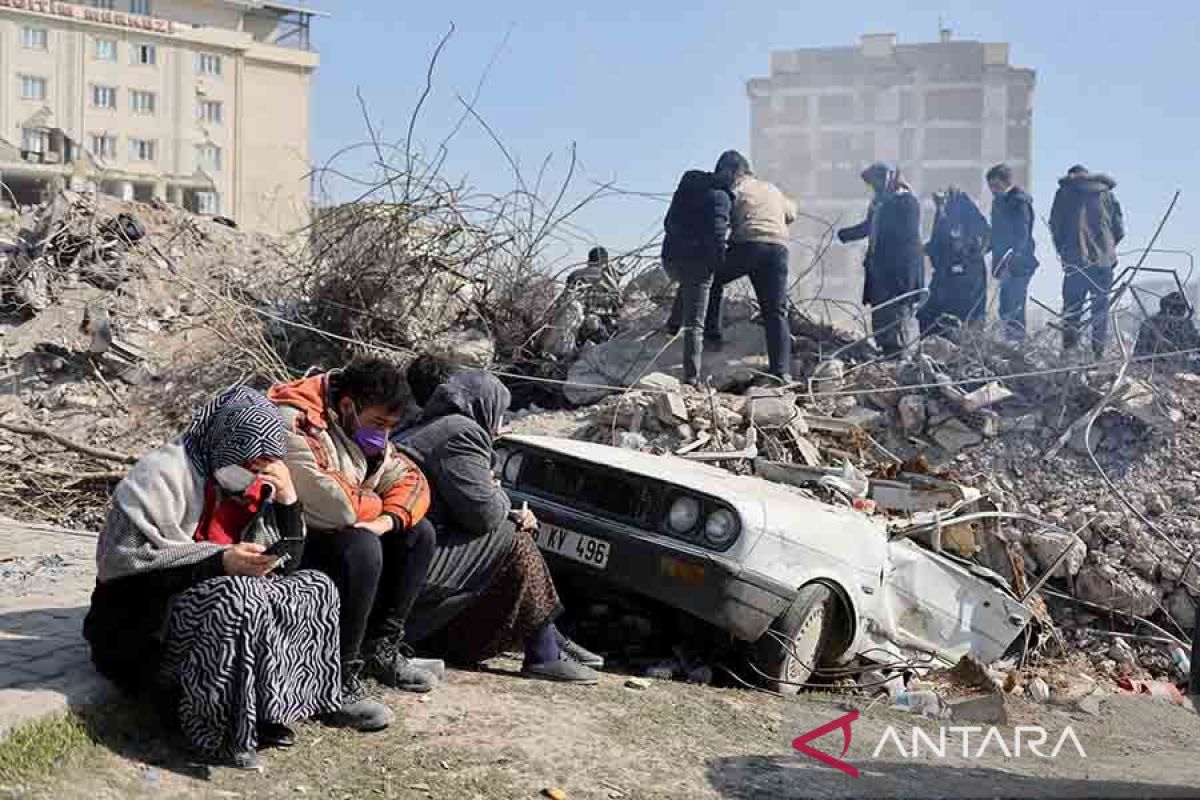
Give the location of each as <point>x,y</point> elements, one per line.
<point>1014,258</point>
<point>488,588</point>
<point>958,290</point>
<point>1087,225</point>
<point>895,260</point>
<point>693,250</point>
<point>364,503</point>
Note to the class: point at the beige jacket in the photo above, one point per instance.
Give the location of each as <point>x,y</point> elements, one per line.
<point>761,212</point>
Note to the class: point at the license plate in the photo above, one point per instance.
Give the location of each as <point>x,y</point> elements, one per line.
<point>575,546</point>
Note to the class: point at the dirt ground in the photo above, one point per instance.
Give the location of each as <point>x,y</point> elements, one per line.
<point>495,736</point>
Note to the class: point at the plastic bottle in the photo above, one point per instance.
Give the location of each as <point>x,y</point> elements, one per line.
<point>1182,662</point>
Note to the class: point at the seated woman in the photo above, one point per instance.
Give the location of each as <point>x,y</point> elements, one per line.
<point>488,588</point>
<point>190,610</point>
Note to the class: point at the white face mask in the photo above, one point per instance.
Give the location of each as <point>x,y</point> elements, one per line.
<point>234,478</point>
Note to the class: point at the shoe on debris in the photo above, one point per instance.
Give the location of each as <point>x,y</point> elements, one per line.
<point>358,711</point>
<point>390,662</point>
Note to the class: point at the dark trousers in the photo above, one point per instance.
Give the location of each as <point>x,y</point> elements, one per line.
<point>767,266</point>
<point>1080,284</point>
<point>378,577</point>
<point>1012,298</point>
<point>892,327</point>
<point>695,281</point>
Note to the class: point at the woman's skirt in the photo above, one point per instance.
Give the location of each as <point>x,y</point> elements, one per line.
<point>243,651</point>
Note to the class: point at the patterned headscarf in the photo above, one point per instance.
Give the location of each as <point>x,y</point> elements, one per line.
<point>234,427</point>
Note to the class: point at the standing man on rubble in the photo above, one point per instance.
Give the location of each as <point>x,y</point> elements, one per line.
<point>1087,225</point>
<point>895,260</point>
<point>1013,257</point>
<point>693,251</point>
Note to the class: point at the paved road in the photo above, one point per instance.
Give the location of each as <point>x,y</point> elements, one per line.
<point>46,578</point>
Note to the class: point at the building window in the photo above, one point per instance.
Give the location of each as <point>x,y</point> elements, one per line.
<point>208,64</point>
<point>139,7</point>
<point>104,145</point>
<point>107,5</point>
<point>106,50</point>
<point>34,140</point>
<point>146,54</point>
<point>208,157</point>
<point>33,87</point>
<point>141,149</point>
<point>141,102</point>
<point>35,38</point>
<point>208,203</point>
<point>104,96</point>
<point>210,111</point>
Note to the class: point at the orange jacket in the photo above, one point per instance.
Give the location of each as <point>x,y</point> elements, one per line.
<point>331,472</point>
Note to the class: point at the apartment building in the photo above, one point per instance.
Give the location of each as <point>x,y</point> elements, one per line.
<point>202,103</point>
<point>943,111</point>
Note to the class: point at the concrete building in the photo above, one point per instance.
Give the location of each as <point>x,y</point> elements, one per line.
<point>944,112</point>
<point>203,103</point>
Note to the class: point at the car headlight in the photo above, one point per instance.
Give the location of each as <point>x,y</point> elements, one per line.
<point>512,467</point>
<point>683,514</point>
<point>720,527</point>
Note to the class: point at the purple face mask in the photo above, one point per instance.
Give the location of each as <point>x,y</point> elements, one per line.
<point>373,441</point>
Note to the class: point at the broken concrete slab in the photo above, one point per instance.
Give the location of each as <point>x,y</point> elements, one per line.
<point>658,382</point>
<point>671,409</point>
<point>990,709</point>
<point>772,412</point>
<point>985,396</point>
<point>1102,583</point>
<point>911,410</point>
<point>954,435</point>
<point>866,418</point>
<point>1046,546</point>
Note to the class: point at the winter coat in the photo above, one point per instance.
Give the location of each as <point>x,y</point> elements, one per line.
<point>1012,229</point>
<point>761,212</point>
<point>339,486</point>
<point>895,262</point>
<point>1086,221</point>
<point>697,223</point>
<point>453,445</point>
<point>956,246</point>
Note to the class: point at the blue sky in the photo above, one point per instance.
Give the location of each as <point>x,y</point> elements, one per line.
<point>647,89</point>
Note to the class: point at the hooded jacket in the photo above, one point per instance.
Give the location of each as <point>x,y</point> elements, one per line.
<point>761,212</point>
<point>895,260</point>
<point>453,444</point>
<point>1012,229</point>
<point>956,246</point>
<point>333,478</point>
<point>697,223</point>
<point>1086,220</point>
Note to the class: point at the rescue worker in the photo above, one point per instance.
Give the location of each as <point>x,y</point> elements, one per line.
<point>895,260</point>
<point>1013,249</point>
<point>958,290</point>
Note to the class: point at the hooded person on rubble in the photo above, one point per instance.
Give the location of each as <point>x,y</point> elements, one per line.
<point>693,251</point>
<point>1087,224</point>
<point>895,259</point>
<point>1171,331</point>
<point>1014,251</point>
<point>958,290</point>
<point>488,589</point>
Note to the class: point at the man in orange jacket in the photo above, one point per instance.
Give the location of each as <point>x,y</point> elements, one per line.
<point>364,505</point>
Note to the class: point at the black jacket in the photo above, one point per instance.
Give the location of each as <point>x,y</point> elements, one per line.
<point>956,247</point>
<point>1086,221</point>
<point>697,223</point>
<point>1012,229</point>
<point>895,262</point>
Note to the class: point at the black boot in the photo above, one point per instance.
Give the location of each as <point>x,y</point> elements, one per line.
<point>358,711</point>
<point>390,662</point>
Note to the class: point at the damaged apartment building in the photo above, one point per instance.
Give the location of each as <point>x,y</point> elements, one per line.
<point>944,112</point>
<point>201,103</point>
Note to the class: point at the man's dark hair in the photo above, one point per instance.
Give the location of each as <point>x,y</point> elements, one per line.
<point>597,255</point>
<point>1000,172</point>
<point>1078,169</point>
<point>425,374</point>
<point>370,382</point>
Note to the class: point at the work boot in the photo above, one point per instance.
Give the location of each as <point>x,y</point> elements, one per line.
<point>564,669</point>
<point>389,662</point>
<point>358,711</point>
<point>275,734</point>
<point>579,652</point>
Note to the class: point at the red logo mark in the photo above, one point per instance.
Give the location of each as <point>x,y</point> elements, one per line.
<point>800,743</point>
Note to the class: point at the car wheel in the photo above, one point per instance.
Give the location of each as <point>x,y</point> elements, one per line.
<point>796,643</point>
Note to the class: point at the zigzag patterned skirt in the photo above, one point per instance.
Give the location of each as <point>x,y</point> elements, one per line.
<point>241,651</point>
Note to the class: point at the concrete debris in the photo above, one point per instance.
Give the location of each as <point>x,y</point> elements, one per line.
<point>989,709</point>
<point>985,397</point>
<point>911,410</point>
<point>954,435</point>
<point>1038,690</point>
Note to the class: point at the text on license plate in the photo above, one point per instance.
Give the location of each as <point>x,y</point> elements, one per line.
<point>575,546</point>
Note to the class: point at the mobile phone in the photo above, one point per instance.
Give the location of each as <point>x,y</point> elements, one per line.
<point>285,547</point>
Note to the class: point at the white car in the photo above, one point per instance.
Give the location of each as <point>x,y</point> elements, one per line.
<point>809,583</point>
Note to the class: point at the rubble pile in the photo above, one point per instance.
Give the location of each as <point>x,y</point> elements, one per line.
<point>116,320</point>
